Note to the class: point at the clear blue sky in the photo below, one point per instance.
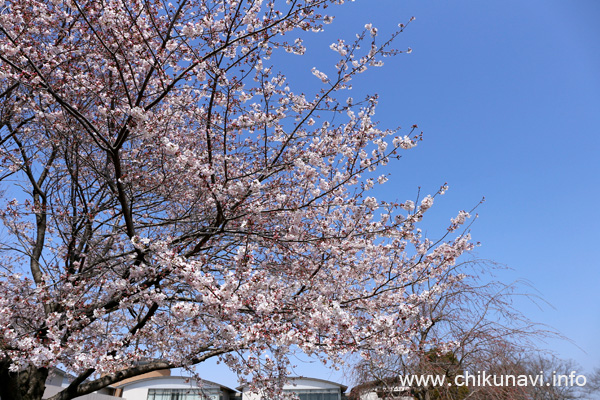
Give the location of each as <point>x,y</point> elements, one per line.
<point>508,96</point>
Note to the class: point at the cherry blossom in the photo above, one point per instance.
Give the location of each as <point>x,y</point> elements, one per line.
<point>173,197</point>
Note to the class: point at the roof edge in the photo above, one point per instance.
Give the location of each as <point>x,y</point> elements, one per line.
<point>344,388</point>
<point>150,378</point>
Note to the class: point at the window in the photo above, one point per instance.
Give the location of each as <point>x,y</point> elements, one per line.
<point>182,394</point>
<point>317,394</point>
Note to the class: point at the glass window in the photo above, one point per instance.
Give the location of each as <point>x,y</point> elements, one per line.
<point>182,394</point>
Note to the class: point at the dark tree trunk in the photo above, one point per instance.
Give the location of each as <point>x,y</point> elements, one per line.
<point>28,384</point>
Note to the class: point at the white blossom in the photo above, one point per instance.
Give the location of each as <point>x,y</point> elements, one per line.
<point>408,205</point>
<point>371,202</point>
<point>426,203</point>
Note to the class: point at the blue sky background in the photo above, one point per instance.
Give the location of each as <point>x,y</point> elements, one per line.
<point>507,94</point>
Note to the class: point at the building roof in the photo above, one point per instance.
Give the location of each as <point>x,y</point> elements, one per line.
<point>343,388</point>
<point>157,378</point>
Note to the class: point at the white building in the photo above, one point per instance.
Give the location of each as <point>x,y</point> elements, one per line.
<point>58,380</point>
<point>305,389</point>
<point>157,385</point>
<point>380,391</point>
<point>161,385</point>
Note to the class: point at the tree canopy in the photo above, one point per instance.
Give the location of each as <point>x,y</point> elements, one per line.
<point>170,196</point>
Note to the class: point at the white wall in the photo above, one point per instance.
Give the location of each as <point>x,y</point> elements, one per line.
<point>310,383</point>
<point>51,390</point>
<point>138,390</point>
<point>296,384</point>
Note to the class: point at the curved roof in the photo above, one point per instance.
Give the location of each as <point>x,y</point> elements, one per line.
<point>343,388</point>
<point>157,378</point>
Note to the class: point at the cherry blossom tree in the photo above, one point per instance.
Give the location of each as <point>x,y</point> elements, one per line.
<point>478,314</point>
<point>170,196</point>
